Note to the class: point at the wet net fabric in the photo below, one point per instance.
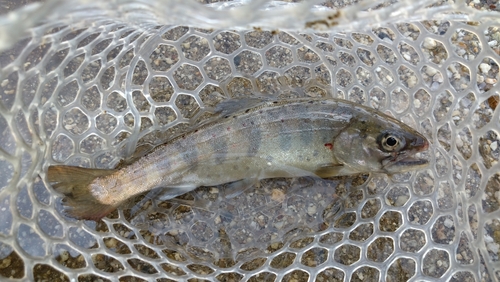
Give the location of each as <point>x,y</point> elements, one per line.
<point>89,84</point>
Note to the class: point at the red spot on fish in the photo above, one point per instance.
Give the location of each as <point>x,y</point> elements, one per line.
<point>229,128</point>
<point>329,146</point>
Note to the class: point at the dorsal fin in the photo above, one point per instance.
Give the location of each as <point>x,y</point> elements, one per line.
<point>231,106</point>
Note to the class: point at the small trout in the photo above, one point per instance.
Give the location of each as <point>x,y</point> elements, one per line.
<point>288,138</point>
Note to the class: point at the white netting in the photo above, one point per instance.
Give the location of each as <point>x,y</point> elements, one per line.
<point>85,83</point>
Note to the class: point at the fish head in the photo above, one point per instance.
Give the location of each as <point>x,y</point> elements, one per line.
<point>376,142</point>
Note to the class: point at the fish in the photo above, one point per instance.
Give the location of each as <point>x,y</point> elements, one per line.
<point>321,137</point>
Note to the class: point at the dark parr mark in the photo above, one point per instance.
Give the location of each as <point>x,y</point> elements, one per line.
<point>165,164</point>
<point>220,150</point>
<point>187,148</point>
<point>285,137</point>
<point>306,132</point>
<point>255,141</point>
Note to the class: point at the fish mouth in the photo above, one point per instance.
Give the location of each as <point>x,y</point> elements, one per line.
<point>407,162</point>
<point>404,164</point>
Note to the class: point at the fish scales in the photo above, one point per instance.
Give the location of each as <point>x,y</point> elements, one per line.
<point>289,138</point>
<point>232,139</point>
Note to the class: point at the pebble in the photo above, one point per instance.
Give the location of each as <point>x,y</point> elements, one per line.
<point>277,195</point>
<point>448,223</point>
<point>429,43</point>
<point>417,103</point>
<point>311,210</point>
<point>465,102</point>
<point>64,256</point>
<point>438,77</point>
<point>490,80</point>
<point>485,68</point>
<point>480,78</point>
<point>5,263</point>
<point>401,200</point>
<point>430,71</point>
<point>435,85</point>
<point>494,146</point>
<point>412,81</point>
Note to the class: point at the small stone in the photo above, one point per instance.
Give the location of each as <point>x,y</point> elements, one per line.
<point>490,80</point>
<point>412,81</point>
<point>401,200</point>
<point>311,210</point>
<point>485,68</point>
<point>497,196</point>
<point>277,195</point>
<point>429,43</point>
<point>448,223</point>
<point>275,245</point>
<point>417,103</point>
<point>430,71</point>
<point>438,77</point>
<point>5,263</point>
<point>494,146</point>
<point>64,256</point>
<point>480,78</point>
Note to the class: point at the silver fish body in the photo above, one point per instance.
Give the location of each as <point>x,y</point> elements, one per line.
<point>288,138</point>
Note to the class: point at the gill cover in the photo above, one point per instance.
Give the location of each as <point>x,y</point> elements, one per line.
<point>380,144</point>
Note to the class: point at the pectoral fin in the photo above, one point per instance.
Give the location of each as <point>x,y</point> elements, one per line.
<point>329,170</point>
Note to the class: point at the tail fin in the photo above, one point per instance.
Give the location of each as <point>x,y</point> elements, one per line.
<point>74,182</point>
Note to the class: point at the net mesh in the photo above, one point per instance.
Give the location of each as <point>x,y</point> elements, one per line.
<point>86,84</point>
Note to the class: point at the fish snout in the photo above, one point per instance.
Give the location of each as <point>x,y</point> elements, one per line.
<point>420,144</point>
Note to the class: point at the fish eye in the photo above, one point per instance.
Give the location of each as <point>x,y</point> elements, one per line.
<point>390,142</point>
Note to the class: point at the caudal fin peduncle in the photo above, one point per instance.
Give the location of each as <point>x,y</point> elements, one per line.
<point>74,182</point>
